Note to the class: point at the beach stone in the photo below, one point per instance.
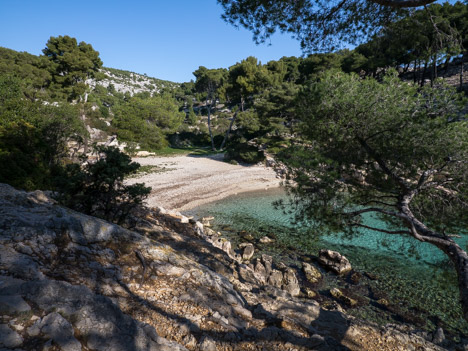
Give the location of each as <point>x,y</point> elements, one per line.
<point>334,261</point>
<point>248,252</point>
<point>312,274</point>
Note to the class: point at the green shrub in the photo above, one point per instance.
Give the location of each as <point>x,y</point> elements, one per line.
<point>97,188</point>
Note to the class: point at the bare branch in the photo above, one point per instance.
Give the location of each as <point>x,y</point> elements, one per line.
<point>403,3</point>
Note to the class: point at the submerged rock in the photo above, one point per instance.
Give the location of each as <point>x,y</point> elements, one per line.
<point>334,261</point>
<point>340,296</point>
<point>266,240</point>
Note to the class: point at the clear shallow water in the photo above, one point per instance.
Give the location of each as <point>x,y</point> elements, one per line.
<point>417,277</point>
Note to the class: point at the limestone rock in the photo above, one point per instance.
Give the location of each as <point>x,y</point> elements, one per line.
<point>291,284</point>
<point>340,296</point>
<point>267,262</point>
<point>207,344</point>
<point>266,240</point>
<point>312,274</point>
<point>13,304</point>
<point>310,293</point>
<point>276,278</point>
<point>248,252</point>
<point>334,261</point>
<point>439,336</point>
<point>206,221</point>
<point>9,338</point>
<point>260,268</point>
<point>83,277</point>
<point>57,328</point>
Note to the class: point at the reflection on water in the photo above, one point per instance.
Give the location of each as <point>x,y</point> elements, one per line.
<point>416,276</point>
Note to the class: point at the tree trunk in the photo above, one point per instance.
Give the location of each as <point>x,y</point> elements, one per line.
<point>209,125</point>
<point>423,80</point>
<point>454,252</point>
<point>227,132</point>
<point>461,71</point>
<point>433,70</point>
<point>230,124</point>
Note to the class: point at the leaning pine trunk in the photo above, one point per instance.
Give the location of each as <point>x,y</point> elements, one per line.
<point>455,253</point>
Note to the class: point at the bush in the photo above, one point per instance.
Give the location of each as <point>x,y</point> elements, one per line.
<point>97,188</point>
<point>242,152</point>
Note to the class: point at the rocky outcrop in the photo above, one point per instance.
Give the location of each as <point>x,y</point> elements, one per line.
<point>73,282</point>
<point>334,261</point>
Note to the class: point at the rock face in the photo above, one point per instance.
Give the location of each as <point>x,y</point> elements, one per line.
<point>73,282</point>
<point>334,261</point>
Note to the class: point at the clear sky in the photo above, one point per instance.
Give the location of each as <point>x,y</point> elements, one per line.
<point>166,39</point>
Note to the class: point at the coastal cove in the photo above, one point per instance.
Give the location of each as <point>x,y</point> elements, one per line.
<point>416,277</point>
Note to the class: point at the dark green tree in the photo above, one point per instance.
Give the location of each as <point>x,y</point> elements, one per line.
<point>385,149</point>
<point>319,25</point>
<point>209,83</point>
<point>34,137</point>
<point>147,121</point>
<point>72,64</point>
<point>98,188</point>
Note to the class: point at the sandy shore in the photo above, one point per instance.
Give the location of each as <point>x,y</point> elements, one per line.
<point>190,181</point>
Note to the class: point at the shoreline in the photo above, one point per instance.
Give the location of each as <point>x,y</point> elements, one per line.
<point>186,182</point>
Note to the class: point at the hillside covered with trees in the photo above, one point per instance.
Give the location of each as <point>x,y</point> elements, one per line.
<point>368,130</point>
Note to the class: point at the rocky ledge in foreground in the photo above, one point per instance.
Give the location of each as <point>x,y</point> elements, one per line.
<point>73,282</point>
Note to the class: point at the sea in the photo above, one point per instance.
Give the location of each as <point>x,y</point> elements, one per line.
<point>416,279</point>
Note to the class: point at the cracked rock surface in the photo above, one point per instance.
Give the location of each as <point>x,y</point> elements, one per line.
<point>73,282</point>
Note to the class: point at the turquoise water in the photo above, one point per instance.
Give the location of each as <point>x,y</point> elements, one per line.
<point>416,277</point>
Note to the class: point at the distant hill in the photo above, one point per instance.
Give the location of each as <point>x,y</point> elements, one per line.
<point>131,82</point>
<point>33,70</point>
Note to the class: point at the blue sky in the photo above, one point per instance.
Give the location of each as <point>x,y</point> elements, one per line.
<point>166,39</point>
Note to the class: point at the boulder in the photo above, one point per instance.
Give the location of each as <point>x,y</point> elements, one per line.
<point>291,284</point>
<point>312,274</point>
<point>439,336</point>
<point>266,240</point>
<point>206,221</point>
<point>276,278</point>
<point>340,296</point>
<point>260,268</point>
<point>310,293</point>
<point>248,252</point>
<point>267,262</point>
<point>334,261</point>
